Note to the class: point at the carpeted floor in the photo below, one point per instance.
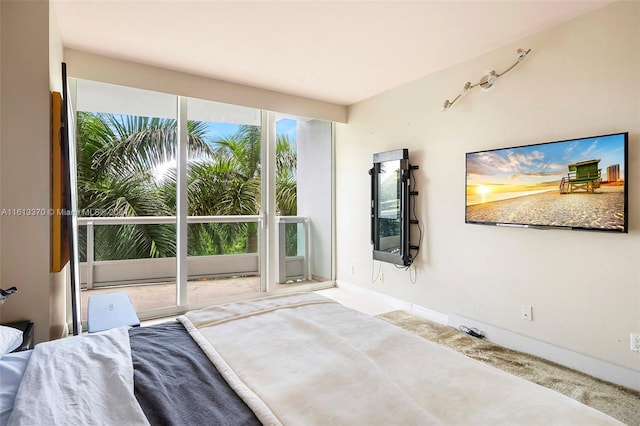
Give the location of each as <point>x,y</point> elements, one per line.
<point>617,401</point>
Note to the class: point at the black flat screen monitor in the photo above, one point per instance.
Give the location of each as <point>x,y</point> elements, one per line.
<point>576,184</point>
<point>390,207</point>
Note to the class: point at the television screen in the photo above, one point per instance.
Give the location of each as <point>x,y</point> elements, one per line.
<point>390,207</point>
<point>574,184</point>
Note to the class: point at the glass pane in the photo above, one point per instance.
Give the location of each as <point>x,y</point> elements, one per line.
<point>223,174</point>
<point>388,238</point>
<point>127,242</point>
<point>126,169</point>
<point>209,239</point>
<point>82,243</point>
<point>304,189</point>
<point>293,233</point>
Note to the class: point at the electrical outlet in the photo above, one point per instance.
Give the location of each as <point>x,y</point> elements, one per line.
<point>635,342</point>
<point>526,313</point>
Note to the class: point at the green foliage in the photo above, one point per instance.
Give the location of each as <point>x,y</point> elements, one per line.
<point>126,167</point>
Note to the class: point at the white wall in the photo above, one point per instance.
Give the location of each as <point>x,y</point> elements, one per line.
<point>315,164</point>
<point>25,160</point>
<point>100,68</point>
<point>581,79</point>
<point>25,164</point>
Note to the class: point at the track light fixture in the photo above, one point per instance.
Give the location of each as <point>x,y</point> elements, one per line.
<point>487,82</point>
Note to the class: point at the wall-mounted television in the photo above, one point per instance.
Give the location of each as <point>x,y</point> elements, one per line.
<point>390,202</point>
<point>577,184</point>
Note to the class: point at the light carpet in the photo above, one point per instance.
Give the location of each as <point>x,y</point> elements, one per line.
<point>617,401</point>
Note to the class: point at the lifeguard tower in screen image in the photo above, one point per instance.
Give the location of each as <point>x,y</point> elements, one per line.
<point>585,176</point>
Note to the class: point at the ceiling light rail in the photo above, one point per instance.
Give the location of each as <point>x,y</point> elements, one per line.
<point>487,82</point>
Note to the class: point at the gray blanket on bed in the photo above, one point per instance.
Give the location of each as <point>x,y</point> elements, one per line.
<point>176,384</point>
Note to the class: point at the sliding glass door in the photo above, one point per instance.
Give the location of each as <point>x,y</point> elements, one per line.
<point>223,197</point>
<point>304,201</point>
<point>186,202</point>
<point>126,147</point>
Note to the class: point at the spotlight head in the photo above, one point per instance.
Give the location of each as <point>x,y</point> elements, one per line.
<point>488,81</point>
<point>466,88</point>
<point>445,106</point>
<point>492,77</point>
<point>522,55</point>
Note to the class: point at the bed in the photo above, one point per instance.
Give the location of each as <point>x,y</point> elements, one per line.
<point>299,359</point>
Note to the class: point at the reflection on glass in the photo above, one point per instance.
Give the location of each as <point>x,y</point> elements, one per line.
<point>82,243</point>
<point>389,206</point>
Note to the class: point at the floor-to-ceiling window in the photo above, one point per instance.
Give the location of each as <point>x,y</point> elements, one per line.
<point>223,199</point>
<point>186,202</point>
<point>126,142</point>
<point>304,199</point>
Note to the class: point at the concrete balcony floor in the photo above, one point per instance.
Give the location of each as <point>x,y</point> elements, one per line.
<point>151,296</point>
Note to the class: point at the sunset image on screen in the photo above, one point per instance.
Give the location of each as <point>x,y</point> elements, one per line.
<point>577,183</point>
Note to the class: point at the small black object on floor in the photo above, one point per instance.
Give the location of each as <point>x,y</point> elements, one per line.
<point>472,332</point>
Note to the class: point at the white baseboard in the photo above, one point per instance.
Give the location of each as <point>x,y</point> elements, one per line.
<point>434,316</point>
<point>395,303</point>
<point>601,369</point>
<point>589,365</point>
<point>389,301</point>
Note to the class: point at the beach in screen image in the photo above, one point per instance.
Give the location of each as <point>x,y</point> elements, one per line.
<point>602,210</point>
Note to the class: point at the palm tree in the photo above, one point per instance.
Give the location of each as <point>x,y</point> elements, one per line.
<point>286,179</point>
<point>117,160</point>
<point>227,183</point>
<point>286,189</point>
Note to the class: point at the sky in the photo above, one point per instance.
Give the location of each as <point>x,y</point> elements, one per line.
<point>215,130</point>
<point>520,168</point>
<point>283,126</point>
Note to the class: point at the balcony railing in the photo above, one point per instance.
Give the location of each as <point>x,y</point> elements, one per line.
<point>293,254</point>
<point>293,265</point>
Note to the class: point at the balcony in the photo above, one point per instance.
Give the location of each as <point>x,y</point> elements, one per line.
<point>151,282</point>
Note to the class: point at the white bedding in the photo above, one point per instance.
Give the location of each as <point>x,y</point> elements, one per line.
<point>12,367</point>
<point>303,360</point>
<point>298,359</point>
<point>80,380</point>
